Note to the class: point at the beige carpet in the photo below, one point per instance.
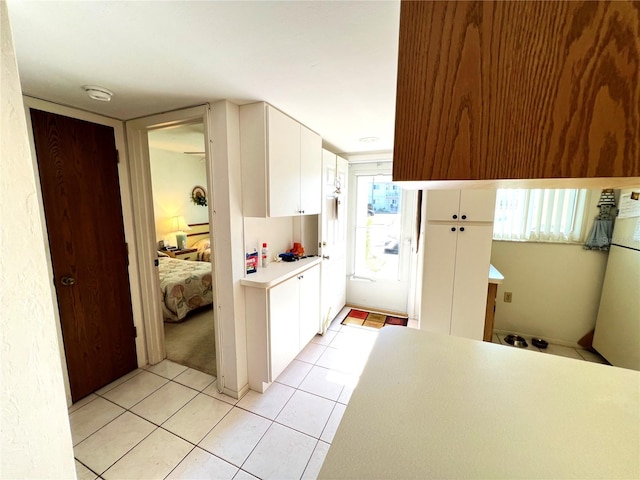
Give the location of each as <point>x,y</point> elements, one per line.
<point>191,342</point>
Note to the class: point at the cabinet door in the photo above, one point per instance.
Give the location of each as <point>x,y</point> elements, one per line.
<point>477,205</point>
<point>284,164</point>
<point>438,279</point>
<point>309,282</point>
<point>284,326</point>
<point>473,255</point>
<point>443,205</point>
<point>473,103</point>
<point>310,171</point>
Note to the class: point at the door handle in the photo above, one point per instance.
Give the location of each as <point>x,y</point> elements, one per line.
<point>68,280</point>
<point>326,257</point>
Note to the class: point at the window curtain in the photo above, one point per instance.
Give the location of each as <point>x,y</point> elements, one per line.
<point>540,215</point>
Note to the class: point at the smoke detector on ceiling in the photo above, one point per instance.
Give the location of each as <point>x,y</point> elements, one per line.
<point>98,93</point>
<point>369,139</point>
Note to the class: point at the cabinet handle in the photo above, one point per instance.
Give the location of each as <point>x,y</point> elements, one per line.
<point>464,217</point>
<point>462,229</point>
<point>300,277</point>
<point>453,229</point>
<point>455,217</point>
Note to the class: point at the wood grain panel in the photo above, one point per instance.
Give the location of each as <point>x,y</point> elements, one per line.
<point>518,90</point>
<point>77,162</point>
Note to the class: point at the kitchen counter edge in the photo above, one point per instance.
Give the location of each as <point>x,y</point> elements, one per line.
<point>278,272</point>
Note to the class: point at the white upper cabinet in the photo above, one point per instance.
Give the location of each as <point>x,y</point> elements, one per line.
<point>461,205</point>
<point>443,205</point>
<point>477,205</point>
<point>283,160</point>
<point>310,171</point>
<point>281,164</point>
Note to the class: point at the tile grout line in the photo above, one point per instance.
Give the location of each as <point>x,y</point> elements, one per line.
<point>149,421</point>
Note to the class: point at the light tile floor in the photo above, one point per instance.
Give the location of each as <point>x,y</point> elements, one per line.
<point>553,349</point>
<point>169,421</point>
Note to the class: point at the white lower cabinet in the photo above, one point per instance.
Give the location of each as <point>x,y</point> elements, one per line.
<point>284,326</point>
<point>309,288</point>
<point>281,320</point>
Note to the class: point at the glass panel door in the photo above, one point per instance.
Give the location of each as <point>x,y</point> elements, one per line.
<point>382,217</point>
<point>378,232</point>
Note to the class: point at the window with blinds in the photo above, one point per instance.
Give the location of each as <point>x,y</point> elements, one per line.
<point>540,215</point>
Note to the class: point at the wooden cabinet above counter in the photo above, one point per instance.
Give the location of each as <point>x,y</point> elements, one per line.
<point>518,90</point>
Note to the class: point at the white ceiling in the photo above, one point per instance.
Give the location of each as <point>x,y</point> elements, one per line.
<point>329,64</point>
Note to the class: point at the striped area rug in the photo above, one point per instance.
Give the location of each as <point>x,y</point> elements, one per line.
<point>372,320</point>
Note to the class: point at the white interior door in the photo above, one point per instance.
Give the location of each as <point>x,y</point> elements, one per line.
<point>333,236</point>
<point>380,245</point>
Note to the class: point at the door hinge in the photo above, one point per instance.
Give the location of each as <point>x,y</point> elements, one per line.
<point>135,332</point>
<point>126,247</point>
<point>117,156</point>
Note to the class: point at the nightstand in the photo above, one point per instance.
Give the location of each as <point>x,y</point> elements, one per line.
<point>186,254</point>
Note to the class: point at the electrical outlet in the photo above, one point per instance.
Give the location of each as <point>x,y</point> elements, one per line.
<point>507,297</point>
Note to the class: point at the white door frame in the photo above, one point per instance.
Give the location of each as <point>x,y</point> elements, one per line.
<point>127,217</point>
<point>381,165</point>
<point>138,142</point>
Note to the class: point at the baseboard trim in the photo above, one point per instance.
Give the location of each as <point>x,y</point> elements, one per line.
<point>236,394</point>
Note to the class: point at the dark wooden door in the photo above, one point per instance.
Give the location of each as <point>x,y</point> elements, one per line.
<point>78,168</point>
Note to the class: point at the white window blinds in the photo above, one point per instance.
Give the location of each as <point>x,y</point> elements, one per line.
<point>540,215</point>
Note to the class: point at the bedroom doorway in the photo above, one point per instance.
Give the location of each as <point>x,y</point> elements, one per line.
<point>177,160</point>
<point>172,174</point>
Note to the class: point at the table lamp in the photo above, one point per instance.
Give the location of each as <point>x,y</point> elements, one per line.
<point>179,225</point>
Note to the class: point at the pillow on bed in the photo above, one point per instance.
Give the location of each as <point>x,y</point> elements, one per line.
<point>162,254</point>
<point>202,244</point>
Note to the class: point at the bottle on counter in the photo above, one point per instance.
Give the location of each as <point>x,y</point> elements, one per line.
<point>265,255</point>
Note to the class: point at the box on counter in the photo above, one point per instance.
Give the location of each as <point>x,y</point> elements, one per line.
<point>252,262</point>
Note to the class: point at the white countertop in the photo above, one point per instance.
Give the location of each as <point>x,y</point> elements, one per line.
<point>494,275</point>
<point>277,272</point>
<point>434,406</point>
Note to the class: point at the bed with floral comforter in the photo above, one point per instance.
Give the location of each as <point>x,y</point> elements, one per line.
<point>184,286</point>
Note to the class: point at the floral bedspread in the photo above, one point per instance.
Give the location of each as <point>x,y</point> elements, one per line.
<point>184,286</point>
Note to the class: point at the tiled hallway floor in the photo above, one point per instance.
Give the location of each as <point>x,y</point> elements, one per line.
<point>169,421</point>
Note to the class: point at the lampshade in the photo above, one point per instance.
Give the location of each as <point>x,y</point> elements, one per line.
<point>179,224</point>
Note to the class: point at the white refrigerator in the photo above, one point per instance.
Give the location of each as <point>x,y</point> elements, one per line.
<point>617,333</point>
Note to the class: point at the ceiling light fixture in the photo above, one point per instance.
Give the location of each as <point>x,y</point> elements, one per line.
<point>369,139</point>
<point>98,93</point>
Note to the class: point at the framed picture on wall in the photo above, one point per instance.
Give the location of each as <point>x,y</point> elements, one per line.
<point>199,196</point>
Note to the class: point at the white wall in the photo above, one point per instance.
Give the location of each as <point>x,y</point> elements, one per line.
<point>36,440</point>
<point>173,176</point>
<point>556,289</point>
<point>229,245</point>
<point>276,232</point>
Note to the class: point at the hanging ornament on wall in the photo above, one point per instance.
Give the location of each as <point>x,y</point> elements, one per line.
<point>600,236</point>
<point>199,196</point>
